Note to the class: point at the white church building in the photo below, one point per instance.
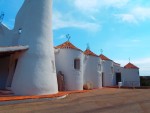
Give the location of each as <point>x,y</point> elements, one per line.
<point>130,75</point>
<point>92,69</point>
<point>113,73</point>
<point>69,60</point>
<point>108,71</point>
<point>27,58</point>
<point>29,63</point>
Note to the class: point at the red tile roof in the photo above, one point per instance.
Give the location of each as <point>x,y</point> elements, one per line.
<point>130,66</point>
<point>67,45</point>
<point>104,57</point>
<point>89,52</point>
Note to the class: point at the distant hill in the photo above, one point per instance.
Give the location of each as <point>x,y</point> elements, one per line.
<point>145,80</point>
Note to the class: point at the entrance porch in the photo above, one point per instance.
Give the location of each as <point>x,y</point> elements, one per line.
<point>8,61</point>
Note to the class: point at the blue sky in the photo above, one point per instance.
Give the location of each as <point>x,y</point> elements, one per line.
<point>120,27</point>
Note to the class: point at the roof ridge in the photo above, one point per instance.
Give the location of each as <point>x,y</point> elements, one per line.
<point>67,45</point>
<point>89,52</point>
<point>103,57</point>
<point>131,66</point>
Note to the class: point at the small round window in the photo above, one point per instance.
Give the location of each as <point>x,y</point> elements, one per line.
<point>20,30</point>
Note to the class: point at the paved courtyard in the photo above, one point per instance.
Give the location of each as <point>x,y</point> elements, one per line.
<point>106,100</point>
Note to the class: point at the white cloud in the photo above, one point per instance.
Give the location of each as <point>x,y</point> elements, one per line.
<point>141,13</point>
<point>128,43</point>
<point>61,37</point>
<point>136,40</point>
<point>115,3</point>
<point>88,6</point>
<point>129,18</point>
<point>135,15</point>
<point>61,21</point>
<point>93,18</point>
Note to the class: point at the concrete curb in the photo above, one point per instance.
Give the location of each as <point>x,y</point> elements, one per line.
<point>31,100</point>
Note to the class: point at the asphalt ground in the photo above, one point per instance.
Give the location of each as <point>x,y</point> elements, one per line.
<point>106,100</point>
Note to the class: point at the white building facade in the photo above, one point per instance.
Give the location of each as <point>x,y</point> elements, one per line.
<point>35,72</point>
<point>27,59</point>
<point>107,71</point>
<point>69,60</point>
<point>92,69</point>
<point>130,75</point>
<point>117,73</point>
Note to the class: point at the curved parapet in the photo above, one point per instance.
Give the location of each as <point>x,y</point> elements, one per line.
<point>35,73</point>
<point>5,36</point>
<point>70,63</point>
<point>92,69</point>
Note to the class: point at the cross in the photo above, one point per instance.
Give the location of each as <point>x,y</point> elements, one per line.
<point>2,17</point>
<point>129,59</point>
<point>68,37</point>
<point>88,46</point>
<point>101,51</point>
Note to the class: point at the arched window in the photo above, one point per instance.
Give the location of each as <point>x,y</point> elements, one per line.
<point>77,64</point>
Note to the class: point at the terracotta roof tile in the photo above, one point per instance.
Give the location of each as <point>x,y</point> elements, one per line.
<point>130,66</point>
<point>67,45</point>
<point>104,57</point>
<point>89,52</point>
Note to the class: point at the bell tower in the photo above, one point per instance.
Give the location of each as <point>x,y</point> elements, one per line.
<point>35,72</point>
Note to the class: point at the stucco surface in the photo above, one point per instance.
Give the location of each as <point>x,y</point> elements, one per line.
<point>35,73</point>
<point>109,100</point>
<point>92,71</point>
<point>108,73</point>
<point>130,77</point>
<point>65,63</point>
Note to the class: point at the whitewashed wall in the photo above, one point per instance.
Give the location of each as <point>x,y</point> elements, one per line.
<point>92,71</point>
<point>65,64</point>
<point>35,73</point>
<point>130,77</point>
<point>5,36</point>
<point>117,69</point>
<point>107,73</point>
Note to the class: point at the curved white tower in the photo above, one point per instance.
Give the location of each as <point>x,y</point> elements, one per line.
<point>92,69</point>
<point>35,73</point>
<point>69,60</point>
<point>107,71</point>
